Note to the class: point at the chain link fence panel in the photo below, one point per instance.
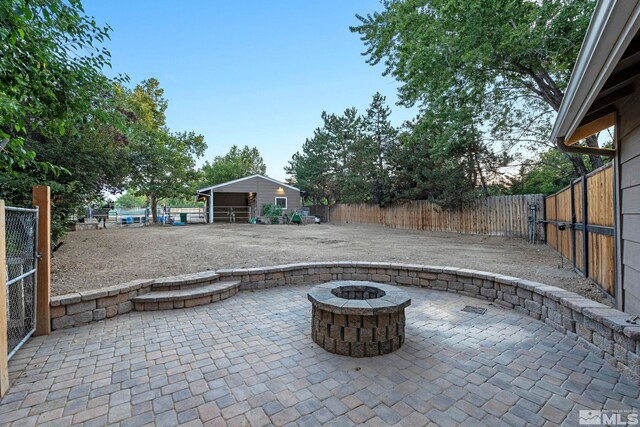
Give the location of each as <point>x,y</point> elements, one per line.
<point>21,231</point>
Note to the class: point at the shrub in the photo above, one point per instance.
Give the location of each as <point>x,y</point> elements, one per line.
<point>272,211</point>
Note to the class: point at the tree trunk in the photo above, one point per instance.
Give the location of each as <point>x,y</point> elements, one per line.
<point>596,161</point>
<point>578,164</point>
<point>154,207</point>
<point>483,183</point>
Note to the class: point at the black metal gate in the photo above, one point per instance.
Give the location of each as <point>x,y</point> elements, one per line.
<point>21,228</point>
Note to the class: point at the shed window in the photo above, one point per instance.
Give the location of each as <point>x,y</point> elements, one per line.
<point>281,202</point>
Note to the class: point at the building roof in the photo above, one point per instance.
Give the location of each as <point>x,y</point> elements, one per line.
<point>607,61</point>
<point>266,178</point>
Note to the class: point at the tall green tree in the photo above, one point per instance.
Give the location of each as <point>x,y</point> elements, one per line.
<point>312,169</point>
<point>51,59</point>
<point>380,137</point>
<point>509,60</point>
<point>550,173</point>
<point>92,160</point>
<point>237,163</point>
<point>348,154</point>
<point>60,123</point>
<point>345,160</point>
<point>130,201</point>
<point>162,162</point>
<point>426,165</point>
<point>440,156</point>
<point>331,165</point>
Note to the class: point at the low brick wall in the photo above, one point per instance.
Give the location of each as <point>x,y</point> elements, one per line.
<point>605,331</point>
<point>90,306</point>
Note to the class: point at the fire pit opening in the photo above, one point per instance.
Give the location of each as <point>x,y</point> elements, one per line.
<point>358,292</point>
<point>358,319</point>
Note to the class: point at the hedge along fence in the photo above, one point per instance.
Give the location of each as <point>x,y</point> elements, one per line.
<point>605,331</point>
<point>585,208</point>
<point>494,216</point>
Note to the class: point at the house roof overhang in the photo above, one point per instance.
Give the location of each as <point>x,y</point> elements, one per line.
<point>206,190</point>
<point>608,62</point>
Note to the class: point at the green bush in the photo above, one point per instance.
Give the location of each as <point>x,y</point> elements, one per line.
<point>272,211</point>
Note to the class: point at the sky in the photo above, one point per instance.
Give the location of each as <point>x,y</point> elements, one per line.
<point>250,73</point>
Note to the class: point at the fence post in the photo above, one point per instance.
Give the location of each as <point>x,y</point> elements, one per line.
<point>42,199</point>
<point>544,217</point>
<point>4,345</point>
<point>559,239</point>
<point>573,224</point>
<point>585,232</point>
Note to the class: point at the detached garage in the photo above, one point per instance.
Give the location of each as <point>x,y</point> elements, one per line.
<point>242,199</point>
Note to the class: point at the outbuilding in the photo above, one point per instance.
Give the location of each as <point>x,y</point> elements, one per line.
<point>242,199</point>
<point>604,92</point>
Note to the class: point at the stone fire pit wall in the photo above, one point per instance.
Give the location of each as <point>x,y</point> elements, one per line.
<point>358,319</point>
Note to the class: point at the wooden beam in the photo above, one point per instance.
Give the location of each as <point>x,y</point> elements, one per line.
<point>622,77</point>
<point>42,199</point>
<point>606,100</point>
<point>4,338</point>
<point>597,115</point>
<point>593,127</point>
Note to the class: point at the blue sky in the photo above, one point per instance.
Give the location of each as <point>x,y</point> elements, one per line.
<point>251,73</point>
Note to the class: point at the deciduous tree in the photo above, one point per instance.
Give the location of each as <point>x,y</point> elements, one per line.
<point>237,163</point>
<point>550,173</point>
<point>162,162</point>
<point>510,60</point>
<point>51,62</point>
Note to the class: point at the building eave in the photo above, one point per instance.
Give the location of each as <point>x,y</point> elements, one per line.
<point>613,25</point>
<point>203,191</point>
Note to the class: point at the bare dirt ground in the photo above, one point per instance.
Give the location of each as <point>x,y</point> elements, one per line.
<point>98,258</point>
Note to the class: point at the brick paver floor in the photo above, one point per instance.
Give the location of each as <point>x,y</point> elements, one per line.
<point>250,360</point>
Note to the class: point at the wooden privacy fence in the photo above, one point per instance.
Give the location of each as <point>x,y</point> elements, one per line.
<point>495,216</point>
<point>586,204</point>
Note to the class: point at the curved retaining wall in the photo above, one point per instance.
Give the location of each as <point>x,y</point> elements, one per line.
<point>605,331</point>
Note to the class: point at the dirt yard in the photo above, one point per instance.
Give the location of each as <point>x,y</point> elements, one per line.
<point>97,258</point>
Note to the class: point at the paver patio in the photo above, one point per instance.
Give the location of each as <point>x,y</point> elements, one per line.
<point>250,360</point>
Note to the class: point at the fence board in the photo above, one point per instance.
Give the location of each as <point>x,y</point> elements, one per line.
<point>599,212</point>
<point>497,216</point>
<point>600,199</point>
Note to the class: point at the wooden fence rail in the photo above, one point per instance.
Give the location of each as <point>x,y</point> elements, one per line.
<point>580,226</point>
<point>495,216</point>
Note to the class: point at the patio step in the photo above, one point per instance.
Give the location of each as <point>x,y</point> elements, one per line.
<point>185,281</point>
<point>185,298</point>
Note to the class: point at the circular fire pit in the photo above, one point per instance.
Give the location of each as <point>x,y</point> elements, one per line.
<point>358,319</point>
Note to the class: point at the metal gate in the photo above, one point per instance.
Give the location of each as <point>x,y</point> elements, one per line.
<point>21,228</point>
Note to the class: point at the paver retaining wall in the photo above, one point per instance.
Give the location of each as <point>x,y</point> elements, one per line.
<point>90,306</point>
<point>607,332</point>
